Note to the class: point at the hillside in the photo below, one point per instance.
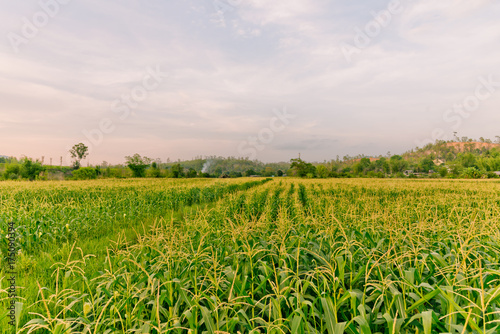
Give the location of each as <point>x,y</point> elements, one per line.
<point>469,146</point>
<point>466,159</point>
<point>445,150</point>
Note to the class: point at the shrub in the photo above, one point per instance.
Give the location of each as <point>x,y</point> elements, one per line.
<point>30,170</point>
<point>138,164</point>
<point>12,172</point>
<point>12,176</point>
<point>443,171</point>
<point>472,173</point>
<point>492,175</point>
<point>85,173</point>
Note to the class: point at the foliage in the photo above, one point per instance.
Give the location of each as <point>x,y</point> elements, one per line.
<point>446,158</point>
<point>12,172</point>
<point>443,171</point>
<point>79,152</point>
<point>398,164</point>
<point>85,173</point>
<point>426,165</point>
<point>250,172</point>
<point>155,170</point>
<point>322,172</point>
<point>303,168</point>
<point>176,171</point>
<point>449,159</point>
<point>30,170</point>
<point>472,173</point>
<point>138,164</point>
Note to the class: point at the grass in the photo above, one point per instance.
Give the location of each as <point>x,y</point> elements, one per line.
<point>229,256</point>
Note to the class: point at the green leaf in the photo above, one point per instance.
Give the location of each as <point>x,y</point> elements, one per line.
<point>209,322</point>
<point>423,300</point>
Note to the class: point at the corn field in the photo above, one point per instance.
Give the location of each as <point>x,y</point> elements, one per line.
<point>254,256</point>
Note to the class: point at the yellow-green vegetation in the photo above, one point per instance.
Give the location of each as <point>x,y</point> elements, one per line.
<point>253,256</point>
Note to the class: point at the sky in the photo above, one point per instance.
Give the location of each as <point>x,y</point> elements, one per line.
<point>260,79</point>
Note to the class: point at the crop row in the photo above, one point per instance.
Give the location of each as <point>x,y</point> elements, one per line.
<point>340,256</point>
<point>44,215</point>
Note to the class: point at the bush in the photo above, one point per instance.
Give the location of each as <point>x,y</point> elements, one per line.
<point>472,173</point>
<point>12,172</point>
<point>443,171</point>
<point>85,173</point>
<point>138,165</point>
<point>153,172</point>
<point>492,175</point>
<point>116,173</point>
<point>31,170</point>
<point>12,176</point>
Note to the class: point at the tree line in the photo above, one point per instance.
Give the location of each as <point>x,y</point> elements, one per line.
<point>440,159</point>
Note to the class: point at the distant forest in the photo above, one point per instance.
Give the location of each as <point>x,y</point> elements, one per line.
<point>465,158</point>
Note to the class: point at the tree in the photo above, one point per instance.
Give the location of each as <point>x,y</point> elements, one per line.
<point>12,172</point>
<point>234,174</point>
<point>362,165</point>
<point>280,172</point>
<point>176,171</point>
<point>455,168</point>
<point>468,160</point>
<point>322,171</point>
<point>398,164</point>
<point>386,167</point>
<point>303,168</point>
<point>427,164</point>
<point>443,171</point>
<point>155,170</point>
<point>250,172</point>
<point>268,171</point>
<point>79,152</point>
<point>138,164</point>
<point>30,170</point>
<point>191,173</point>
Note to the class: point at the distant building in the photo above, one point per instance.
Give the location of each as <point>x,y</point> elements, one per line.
<point>408,172</point>
<point>497,173</point>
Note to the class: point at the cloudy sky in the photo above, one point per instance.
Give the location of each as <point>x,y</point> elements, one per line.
<point>264,79</point>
